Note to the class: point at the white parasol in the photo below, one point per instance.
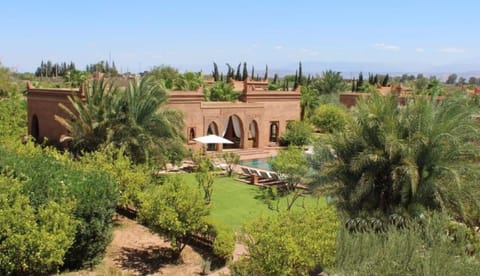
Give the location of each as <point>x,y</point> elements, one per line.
<point>212,139</point>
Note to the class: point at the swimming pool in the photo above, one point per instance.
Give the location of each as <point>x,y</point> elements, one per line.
<point>258,163</point>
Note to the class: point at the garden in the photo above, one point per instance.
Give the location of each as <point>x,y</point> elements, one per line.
<point>391,189</point>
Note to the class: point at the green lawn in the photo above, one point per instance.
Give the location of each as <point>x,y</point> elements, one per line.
<point>235,203</point>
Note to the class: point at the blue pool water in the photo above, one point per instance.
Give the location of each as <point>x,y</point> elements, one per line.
<point>257,163</point>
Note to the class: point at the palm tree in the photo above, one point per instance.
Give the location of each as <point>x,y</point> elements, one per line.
<point>308,103</point>
<point>133,118</point>
<point>330,82</point>
<point>188,81</point>
<point>87,120</point>
<point>392,157</point>
<point>147,127</point>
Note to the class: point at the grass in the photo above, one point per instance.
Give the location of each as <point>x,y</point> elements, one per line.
<point>235,203</point>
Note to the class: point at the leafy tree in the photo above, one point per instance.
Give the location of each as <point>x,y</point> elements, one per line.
<point>231,159</point>
<point>175,210</point>
<point>164,74</point>
<point>131,179</point>
<point>297,133</point>
<point>49,176</point>
<point>330,118</point>
<point>452,79</point>
<point>420,155</point>
<point>7,87</point>
<point>293,166</point>
<point>32,241</point>
<point>472,80</point>
<point>330,83</point>
<point>204,175</point>
<point>289,244</point>
<point>75,78</point>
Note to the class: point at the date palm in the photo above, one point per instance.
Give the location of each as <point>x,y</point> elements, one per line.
<point>397,157</point>
<point>133,118</point>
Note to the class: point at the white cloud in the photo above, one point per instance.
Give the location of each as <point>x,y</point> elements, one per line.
<point>384,46</point>
<point>419,50</point>
<point>278,47</point>
<point>452,50</point>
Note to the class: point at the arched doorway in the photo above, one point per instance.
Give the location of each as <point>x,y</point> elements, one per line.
<point>233,131</point>
<point>212,129</point>
<point>273,136</point>
<point>34,129</point>
<point>253,135</point>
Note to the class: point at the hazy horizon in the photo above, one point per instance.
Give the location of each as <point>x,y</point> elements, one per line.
<point>372,36</point>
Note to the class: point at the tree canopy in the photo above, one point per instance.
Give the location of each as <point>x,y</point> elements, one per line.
<point>416,157</point>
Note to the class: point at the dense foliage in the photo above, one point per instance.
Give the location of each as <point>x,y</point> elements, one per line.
<point>330,118</point>
<point>292,165</point>
<point>292,243</point>
<point>221,91</point>
<point>48,176</point>
<point>33,240</point>
<point>416,157</point>
<point>131,118</point>
<point>419,247</point>
<point>176,210</point>
<point>297,133</point>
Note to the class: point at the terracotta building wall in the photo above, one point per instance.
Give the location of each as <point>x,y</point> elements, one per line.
<point>42,106</point>
<point>259,108</point>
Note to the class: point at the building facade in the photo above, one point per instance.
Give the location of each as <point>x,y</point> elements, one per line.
<point>255,121</point>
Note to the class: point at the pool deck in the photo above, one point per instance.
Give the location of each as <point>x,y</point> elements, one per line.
<point>249,154</point>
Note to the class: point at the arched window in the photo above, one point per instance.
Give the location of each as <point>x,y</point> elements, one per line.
<point>191,133</point>
<point>34,129</point>
<point>273,137</point>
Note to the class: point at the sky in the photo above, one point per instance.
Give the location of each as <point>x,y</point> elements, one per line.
<point>396,35</point>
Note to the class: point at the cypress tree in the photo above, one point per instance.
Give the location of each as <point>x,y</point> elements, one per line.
<point>359,82</point>
<point>353,85</point>
<point>300,75</point>
<point>265,77</point>
<point>238,76</point>
<point>295,82</point>
<point>385,80</point>
<point>275,78</point>
<point>215,72</point>
<point>229,72</point>
<point>253,72</point>
<point>245,72</point>
<point>375,79</point>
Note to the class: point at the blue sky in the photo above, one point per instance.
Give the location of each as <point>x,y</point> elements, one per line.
<point>396,35</point>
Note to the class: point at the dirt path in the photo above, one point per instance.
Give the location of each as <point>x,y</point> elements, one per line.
<point>135,250</point>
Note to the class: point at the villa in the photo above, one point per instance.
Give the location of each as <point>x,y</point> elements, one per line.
<point>255,121</point>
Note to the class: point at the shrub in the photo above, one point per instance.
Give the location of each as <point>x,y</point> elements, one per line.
<point>223,239</point>
<point>419,247</point>
<point>329,118</point>
<point>175,210</point>
<point>298,133</point>
<point>50,177</point>
<point>131,178</point>
<point>32,241</point>
<point>292,243</point>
